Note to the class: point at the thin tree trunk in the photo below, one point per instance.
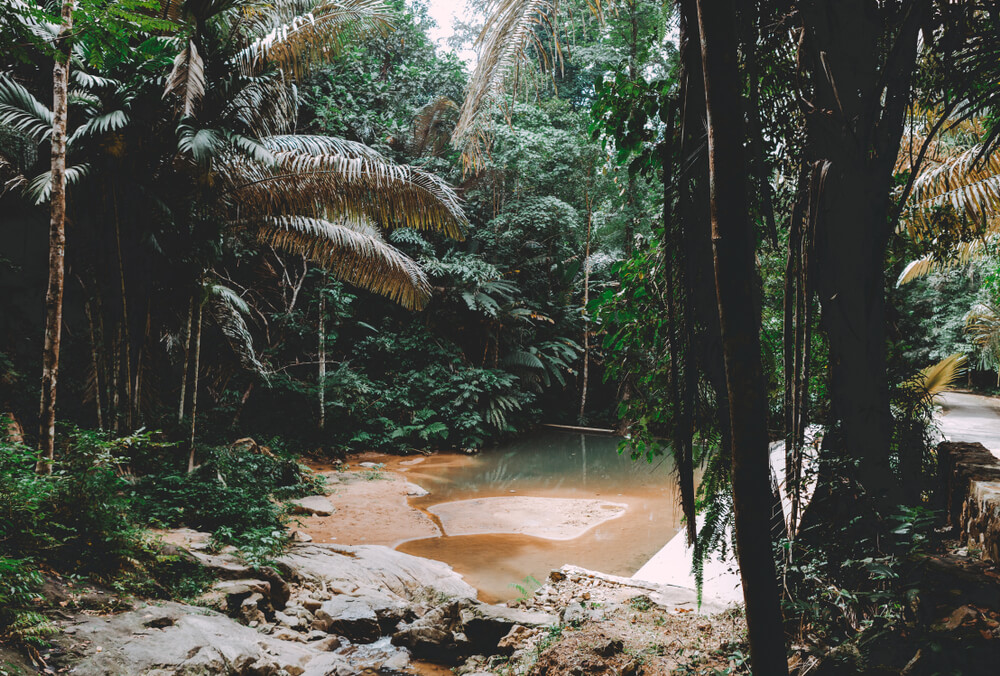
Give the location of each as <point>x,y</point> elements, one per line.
<point>194,387</point>
<point>116,368</point>
<point>95,361</point>
<point>322,361</point>
<point>187,361</point>
<point>126,336</point>
<point>57,248</point>
<point>739,316</point>
<point>586,302</point>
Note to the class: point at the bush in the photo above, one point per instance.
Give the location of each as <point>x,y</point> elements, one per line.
<point>19,622</point>
<point>233,495</point>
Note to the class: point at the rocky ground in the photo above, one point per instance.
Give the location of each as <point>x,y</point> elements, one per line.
<point>337,610</point>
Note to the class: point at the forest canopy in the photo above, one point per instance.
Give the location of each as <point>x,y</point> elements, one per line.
<point>706,225</point>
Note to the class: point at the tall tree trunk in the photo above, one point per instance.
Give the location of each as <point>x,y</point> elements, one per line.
<point>57,246</point>
<point>126,335</point>
<point>860,59</point>
<point>187,360</point>
<point>739,317</point>
<point>321,379</point>
<point>94,360</point>
<point>194,387</point>
<point>586,301</point>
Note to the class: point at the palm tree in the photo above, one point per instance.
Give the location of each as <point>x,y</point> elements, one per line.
<point>211,159</point>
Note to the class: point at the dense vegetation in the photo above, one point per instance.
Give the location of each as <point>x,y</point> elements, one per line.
<point>670,218</point>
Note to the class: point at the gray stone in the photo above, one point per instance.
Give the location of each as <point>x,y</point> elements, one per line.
<point>372,567</point>
<point>574,613</point>
<point>348,616</point>
<point>317,505</point>
<point>397,662</point>
<point>368,465</point>
<point>486,624</point>
<point>415,491</point>
<point>190,641</point>
<point>329,664</point>
<point>290,621</point>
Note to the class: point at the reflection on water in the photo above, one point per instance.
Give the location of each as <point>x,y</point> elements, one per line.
<point>551,464</point>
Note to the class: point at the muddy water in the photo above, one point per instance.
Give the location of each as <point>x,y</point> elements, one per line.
<point>556,465</point>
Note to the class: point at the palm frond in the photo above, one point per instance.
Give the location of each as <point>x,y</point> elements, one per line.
<point>961,253</point>
<point>325,177</point>
<point>294,34</point>
<point>22,112</point>
<point>227,308</point>
<point>40,187</point>
<point>510,39</point>
<point>354,253</point>
<point>264,105</point>
<point>940,377</point>
<point>967,183</point>
<point>982,324</point>
<point>101,124</point>
<point>187,79</point>
<point>201,144</point>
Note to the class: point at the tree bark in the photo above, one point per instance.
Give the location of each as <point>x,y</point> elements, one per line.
<point>187,361</point>
<point>194,387</point>
<point>586,301</point>
<point>57,246</point>
<point>860,59</point>
<point>739,317</point>
<point>321,379</point>
<point>95,361</point>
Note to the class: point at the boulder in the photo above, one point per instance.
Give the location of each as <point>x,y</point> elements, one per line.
<point>486,624</point>
<point>172,638</point>
<point>348,616</point>
<point>515,638</point>
<point>341,569</point>
<point>317,505</point>
<point>415,491</point>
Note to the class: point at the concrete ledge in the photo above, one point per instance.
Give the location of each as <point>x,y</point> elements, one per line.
<point>970,477</point>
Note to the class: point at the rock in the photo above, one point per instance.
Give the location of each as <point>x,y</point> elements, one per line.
<point>415,491</point>
<point>328,644</point>
<point>317,505</point>
<point>372,567</point>
<point>486,624</point>
<point>329,664</point>
<point>574,613</point>
<point>368,465</point>
<point>191,641</point>
<point>427,641</point>
<point>515,638</point>
<point>225,565</point>
<point>290,621</point>
<point>299,536</point>
<point>250,609</point>
<point>283,634</point>
<point>397,662</point>
<point>348,616</point>
<point>557,576</point>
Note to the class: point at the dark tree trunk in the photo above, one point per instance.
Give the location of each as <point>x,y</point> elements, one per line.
<point>57,247</point>
<point>860,58</point>
<point>739,316</point>
<point>321,376</point>
<point>194,386</point>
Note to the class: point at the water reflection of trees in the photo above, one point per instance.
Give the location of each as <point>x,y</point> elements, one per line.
<point>556,460</point>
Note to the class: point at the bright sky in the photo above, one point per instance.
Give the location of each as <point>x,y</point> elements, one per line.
<point>444,13</point>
